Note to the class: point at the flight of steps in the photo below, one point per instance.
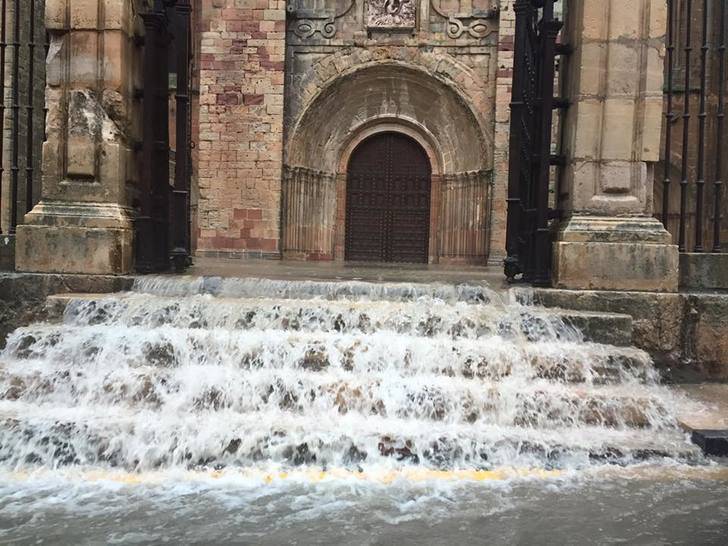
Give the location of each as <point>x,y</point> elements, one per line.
<point>209,372</point>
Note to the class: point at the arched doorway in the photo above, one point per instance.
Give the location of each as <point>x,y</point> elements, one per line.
<point>388,191</point>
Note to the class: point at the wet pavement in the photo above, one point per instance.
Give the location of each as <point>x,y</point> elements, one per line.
<point>714,397</point>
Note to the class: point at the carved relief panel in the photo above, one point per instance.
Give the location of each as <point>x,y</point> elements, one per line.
<point>391,14</point>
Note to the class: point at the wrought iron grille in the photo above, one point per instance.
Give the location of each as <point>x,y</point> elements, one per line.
<point>529,238</point>
<point>23,44</point>
<point>694,140</point>
<point>163,220</point>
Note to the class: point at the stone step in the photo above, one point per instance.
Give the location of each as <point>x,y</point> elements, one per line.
<point>534,403</point>
<point>252,287</point>
<point>144,440</point>
<point>416,318</point>
<point>487,357</point>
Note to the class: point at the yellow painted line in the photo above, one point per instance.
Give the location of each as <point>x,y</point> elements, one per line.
<point>379,476</point>
<point>415,475</point>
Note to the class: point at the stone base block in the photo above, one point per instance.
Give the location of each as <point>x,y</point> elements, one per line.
<point>7,252</point>
<point>94,239</point>
<point>94,251</point>
<point>703,271</point>
<point>594,253</point>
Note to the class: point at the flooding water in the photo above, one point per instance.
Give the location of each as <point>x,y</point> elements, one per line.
<point>248,411</point>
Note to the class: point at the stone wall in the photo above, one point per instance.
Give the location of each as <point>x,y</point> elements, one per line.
<point>504,81</point>
<point>240,126</point>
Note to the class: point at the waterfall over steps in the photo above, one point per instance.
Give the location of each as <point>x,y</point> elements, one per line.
<point>208,372</point>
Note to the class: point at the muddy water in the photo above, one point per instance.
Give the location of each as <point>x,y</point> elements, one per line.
<point>198,410</point>
<point>658,505</point>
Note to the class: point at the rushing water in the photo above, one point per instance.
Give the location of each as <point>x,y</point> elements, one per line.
<point>243,410</point>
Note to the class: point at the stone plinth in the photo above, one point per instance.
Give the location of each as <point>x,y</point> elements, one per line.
<point>614,253</point>
<point>92,238</point>
<point>82,223</point>
<point>611,142</point>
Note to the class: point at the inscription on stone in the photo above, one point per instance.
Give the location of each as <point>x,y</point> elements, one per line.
<point>390,14</point>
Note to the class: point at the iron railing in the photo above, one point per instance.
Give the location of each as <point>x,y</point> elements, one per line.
<point>695,84</point>
<point>529,234</point>
<point>163,220</point>
<point>22,82</point>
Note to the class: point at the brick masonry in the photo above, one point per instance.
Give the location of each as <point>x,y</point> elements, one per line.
<point>240,142</point>
<point>506,38</point>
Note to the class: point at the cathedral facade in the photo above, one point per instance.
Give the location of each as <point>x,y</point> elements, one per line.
<point>353,129</point>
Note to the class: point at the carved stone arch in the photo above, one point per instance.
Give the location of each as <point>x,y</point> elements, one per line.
<point>387,96</point>
<point>386,124</point>
<point>467,85</point>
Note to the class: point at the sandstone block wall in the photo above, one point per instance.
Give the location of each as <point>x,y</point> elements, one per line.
<point>83,222</point>
<point>240,141</point>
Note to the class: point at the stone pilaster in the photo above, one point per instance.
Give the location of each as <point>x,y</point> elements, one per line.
<point>82,223</point>
<point>609,239</point>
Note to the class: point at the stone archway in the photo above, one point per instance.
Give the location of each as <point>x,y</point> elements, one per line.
<point>388,200</point>
<point>373,99</point>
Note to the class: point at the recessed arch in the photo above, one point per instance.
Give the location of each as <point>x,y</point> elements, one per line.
<point>388,90</point>
<point>386,124</point>
<point>380,97</point>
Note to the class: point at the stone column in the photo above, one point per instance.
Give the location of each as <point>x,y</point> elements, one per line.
<point>82,223</point>
<point>609,239</point>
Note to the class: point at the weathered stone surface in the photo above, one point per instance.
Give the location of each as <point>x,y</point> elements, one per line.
<point>686,334</point>
<point>601,327</point>
<point>703,271</point>
<point>23,295</point>
<point>82,223</point>
<point>598,253</point>
<point>81,238</point>
<point>240,126</point>
<point>7,253</point>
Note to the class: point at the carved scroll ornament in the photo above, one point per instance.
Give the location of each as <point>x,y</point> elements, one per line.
<point>475,24</point>
<point>310,22</point>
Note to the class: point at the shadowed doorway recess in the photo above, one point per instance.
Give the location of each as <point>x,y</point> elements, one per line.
<point>388,189</point>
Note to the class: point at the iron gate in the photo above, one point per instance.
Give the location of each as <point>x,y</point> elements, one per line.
<point>163,220</point>
<point>388,201</point>
<point>23,45</point>
<point>529,238</point>
<point>695,146</point>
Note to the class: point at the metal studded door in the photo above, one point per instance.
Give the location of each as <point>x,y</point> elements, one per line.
<point>388,201</point>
